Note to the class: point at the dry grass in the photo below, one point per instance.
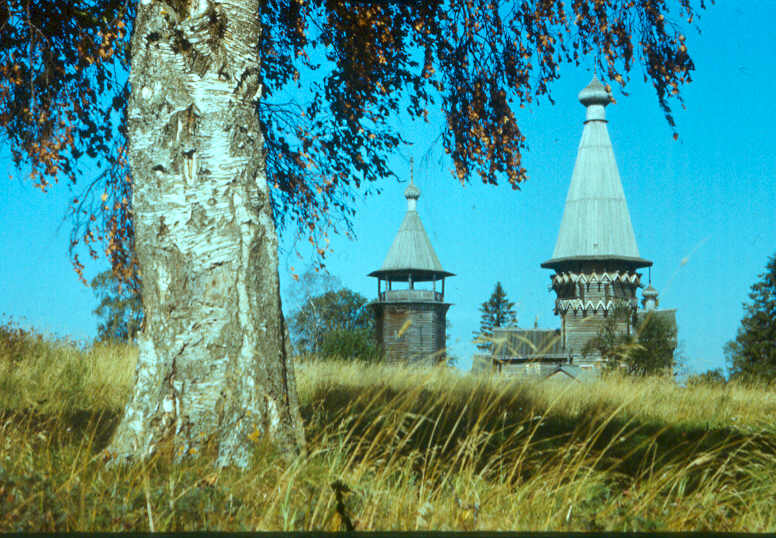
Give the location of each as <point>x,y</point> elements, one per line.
<point>417,449</point>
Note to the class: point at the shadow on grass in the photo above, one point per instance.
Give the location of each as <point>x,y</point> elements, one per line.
<point>63,428</point>
<point>514,430</point>
<point>484,429</point>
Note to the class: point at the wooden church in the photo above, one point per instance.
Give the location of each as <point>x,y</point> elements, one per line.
<point>410,308</point>
<point>595,261</point>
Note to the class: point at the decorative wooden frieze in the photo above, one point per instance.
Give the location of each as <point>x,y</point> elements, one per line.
<point>610,277</point>
<point>588,307</point>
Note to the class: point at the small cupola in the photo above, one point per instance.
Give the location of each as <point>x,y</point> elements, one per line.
<point>595,97</point>
<point>649,298</point>
<point>412,193</point>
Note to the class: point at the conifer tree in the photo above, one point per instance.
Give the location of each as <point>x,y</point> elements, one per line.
<point>497,311</point>
<point>752,355</point>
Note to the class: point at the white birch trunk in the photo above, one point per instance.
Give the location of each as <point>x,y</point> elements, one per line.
<point>214,363</point>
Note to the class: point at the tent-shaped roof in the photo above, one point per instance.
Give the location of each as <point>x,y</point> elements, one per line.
<point>596,223</point>
<point>411,251</point>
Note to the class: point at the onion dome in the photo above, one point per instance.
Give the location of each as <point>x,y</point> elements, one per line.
<point>595,94</point>
<point>412,192</point>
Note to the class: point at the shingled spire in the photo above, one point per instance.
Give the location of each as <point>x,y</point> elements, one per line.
<point>595,266</point>
<point>411,255</point>
<point>596,224</point>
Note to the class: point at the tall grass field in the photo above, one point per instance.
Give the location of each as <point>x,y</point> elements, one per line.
<point>393,449</point>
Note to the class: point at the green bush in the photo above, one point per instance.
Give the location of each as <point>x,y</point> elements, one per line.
<point>656,343</point>
<point>356,344</point>
<point>334,324</point>
<point>712,378</point>
<point>650,351</point>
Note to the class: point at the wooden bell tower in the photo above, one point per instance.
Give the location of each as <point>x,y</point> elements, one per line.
<point>410,309</point>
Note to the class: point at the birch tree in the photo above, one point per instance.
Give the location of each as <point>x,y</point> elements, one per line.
<point>213,359</point>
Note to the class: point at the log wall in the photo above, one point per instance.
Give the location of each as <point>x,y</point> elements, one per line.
<point>411,331</point>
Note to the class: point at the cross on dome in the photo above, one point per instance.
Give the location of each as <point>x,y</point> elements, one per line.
<point>412,192</point>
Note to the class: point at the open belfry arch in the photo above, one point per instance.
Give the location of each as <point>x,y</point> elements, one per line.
<point>410,317</point>
<point>595,258</point>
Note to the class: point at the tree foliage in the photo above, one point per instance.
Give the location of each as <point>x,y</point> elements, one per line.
<point>63,94</point>
<point>358,344</point>
<point>497,311</point>
<point>335,323</point>
<point>752,355</point>
<point>334,74</point>
<point>710,378</point>
<point>310,283</point>
<point>119,308</point>
<point>655,346</point>
<point>650,352</point>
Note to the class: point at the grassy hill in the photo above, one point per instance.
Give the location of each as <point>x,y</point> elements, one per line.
<point>390,449</point>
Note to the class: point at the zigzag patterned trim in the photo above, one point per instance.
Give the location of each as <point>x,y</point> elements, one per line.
<point>577,305</point>
<point>562,279</point>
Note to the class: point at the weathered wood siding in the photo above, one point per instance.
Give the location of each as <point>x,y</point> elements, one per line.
<point>423,337</point>
<point>587,295</point>
<point>511,342</point>
<point>579,329</point>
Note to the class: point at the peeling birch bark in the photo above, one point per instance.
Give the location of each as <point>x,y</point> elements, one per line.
<point>213,362</point>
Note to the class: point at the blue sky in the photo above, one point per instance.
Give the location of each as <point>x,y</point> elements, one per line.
<point>702,207</point>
